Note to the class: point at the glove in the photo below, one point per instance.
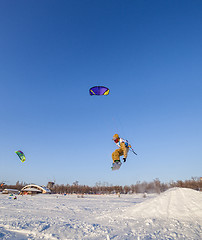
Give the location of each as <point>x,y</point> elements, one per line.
<point>124,159</point>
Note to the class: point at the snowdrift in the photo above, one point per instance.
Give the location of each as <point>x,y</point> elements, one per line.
<point>175,203</point>
<point>174,214</point>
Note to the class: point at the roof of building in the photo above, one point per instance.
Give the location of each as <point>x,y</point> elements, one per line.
<point>31,190</point>
<point>35,188</point>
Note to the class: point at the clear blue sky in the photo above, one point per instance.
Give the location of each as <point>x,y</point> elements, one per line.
<point>149,53</point>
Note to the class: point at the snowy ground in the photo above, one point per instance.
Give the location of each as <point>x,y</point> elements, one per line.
<point>175,214</point>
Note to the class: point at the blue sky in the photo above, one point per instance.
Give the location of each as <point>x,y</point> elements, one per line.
<point>147,52</point>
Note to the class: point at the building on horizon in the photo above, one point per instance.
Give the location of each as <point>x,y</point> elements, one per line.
<point>10,191</point>
<point>34,189</point>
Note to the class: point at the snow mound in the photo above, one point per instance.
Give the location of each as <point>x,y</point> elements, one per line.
<point>175,203</point>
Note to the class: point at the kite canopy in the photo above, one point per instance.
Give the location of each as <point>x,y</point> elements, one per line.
<point>99,90</point>
<point>21,155</point>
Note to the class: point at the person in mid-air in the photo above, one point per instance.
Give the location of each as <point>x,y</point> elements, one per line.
<point>122,150</point>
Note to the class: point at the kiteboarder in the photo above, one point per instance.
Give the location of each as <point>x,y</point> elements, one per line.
<point>122,150</point>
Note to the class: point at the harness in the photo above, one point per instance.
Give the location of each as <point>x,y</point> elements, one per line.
<point>123,140</point>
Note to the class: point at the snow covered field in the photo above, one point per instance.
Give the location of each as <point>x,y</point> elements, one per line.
<point>174,214</point>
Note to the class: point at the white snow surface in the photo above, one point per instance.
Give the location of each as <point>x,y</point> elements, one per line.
<point>174,214</point>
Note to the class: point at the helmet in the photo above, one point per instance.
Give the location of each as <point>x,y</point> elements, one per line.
<point>116,136</point>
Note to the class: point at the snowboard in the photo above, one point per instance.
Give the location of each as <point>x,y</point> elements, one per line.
<point>116,165</point>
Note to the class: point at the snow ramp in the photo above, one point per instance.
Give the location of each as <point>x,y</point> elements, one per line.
<point>173,215</point>
<point>175,203</point>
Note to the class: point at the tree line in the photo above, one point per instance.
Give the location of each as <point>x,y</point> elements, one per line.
<point>156,186</point>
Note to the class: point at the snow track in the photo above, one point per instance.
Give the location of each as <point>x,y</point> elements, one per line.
<point>175,214</point>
